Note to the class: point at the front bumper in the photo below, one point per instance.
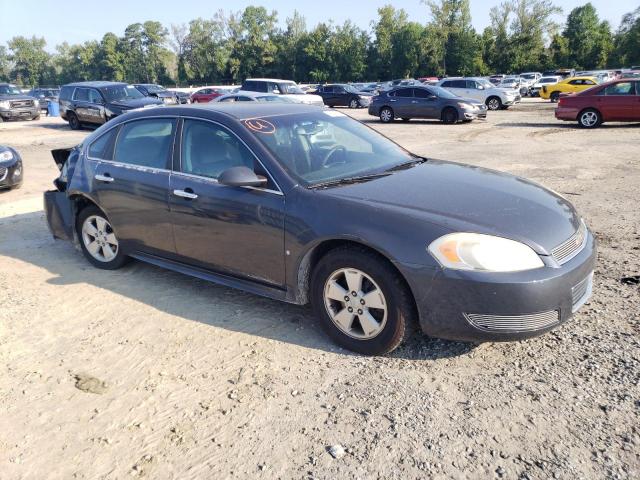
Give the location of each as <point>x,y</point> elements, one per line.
<point>512,100</point>
<point>566,113</point>
<point>20,113</point>
<point>481,307</point>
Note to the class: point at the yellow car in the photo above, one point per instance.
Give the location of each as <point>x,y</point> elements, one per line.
<point>568,85</point>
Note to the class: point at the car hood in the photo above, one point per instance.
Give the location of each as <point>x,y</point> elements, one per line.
<point>136,102</point>
<point>472,199</point>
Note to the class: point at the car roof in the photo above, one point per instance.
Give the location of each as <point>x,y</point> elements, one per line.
<point>279,80</point>
<point>581,78</point>
<point>95,84</point>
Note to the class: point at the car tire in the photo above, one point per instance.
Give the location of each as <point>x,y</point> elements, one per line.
<point>353,103</point>
<point>386,115</point>
<point>590,118</point>
<point>1,119</point>
<point>494,103</point>
<point>37,117</point>
<point>74,123</point>
<point>449,115</point>
<point>554,97</point>
<point>384,328</point>
<point>98,240</point>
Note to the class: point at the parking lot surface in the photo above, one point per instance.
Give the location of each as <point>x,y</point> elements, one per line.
<point>145,372</point>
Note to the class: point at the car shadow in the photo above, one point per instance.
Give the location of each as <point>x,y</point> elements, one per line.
<point>25,237</point>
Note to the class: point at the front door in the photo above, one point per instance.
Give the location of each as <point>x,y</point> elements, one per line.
<point>619,101</point>
<point>89,105</point>
<point>426,104</point>
<point>236,231</point>
<point>132,184</point>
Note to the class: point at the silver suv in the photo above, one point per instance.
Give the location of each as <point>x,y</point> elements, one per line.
<point>482,90</point>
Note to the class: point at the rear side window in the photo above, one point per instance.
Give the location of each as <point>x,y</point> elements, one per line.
<point>102,147</point>
<point>618,89</point>
<point>146,143</point>
<point>209,149</point>
<point>95,96</point>
<point>81,94</point>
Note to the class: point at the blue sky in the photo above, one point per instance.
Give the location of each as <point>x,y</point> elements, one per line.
<point>81,20</point>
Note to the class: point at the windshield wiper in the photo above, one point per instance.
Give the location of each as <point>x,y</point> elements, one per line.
<point>349,180</point>
<point>407,165</point>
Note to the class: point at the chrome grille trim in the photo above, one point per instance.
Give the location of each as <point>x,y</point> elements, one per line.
<point>513,323</point>
<point>3,173</point>
<point>571,247</point>
<point>581,293</point>
<point>21,103</point>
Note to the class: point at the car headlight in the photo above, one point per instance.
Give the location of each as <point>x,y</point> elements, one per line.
<point>466,106</point>
<point>6,155</point>
<point>5,104</point>
<point>475,251</point>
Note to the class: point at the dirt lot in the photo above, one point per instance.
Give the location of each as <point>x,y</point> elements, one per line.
<point>144,372</point>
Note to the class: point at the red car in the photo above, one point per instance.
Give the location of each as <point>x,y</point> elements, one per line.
<point>615,101</point>
<point>205,95</point>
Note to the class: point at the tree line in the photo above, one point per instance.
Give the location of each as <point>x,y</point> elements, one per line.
<point>228,47</point>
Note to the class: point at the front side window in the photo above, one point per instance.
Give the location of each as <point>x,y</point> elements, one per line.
<point>618,89</point>
<point>421,93</point>
<point>325,146</point>
<point>146,143</point>
<point>94,96</point>
<point>404,92</point>
<point>209,149</point>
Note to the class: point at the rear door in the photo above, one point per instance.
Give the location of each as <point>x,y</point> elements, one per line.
<point>402,102</point>
<point>131,183</point>
<point>237,231</point>
<point>457,87</point>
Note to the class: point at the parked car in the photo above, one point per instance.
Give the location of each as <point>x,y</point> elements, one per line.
<point>11,170</point>
<point>241,96</point>
<point>616,101</point>
<point>44,96</point>
<point>481,89</point>
<point>496,79</point>
<point>286,88</point>
<point>157,91</point>
<point>372,88</point>
<point>305,204</point>
<point>15,105</point>
<point>535,89</point>
<point>425,102</point>
<point>205,95</point>
<point>568,85</point>
<point>183,98</point>
<point>515,83</point>
<point>341,95</point>
<point>95,103</point>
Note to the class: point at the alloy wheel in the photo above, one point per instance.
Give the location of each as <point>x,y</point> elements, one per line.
<point>494,104</point>
<point>589,119</point>
<point>99,239</point>
<point>355,303</point>
<point>353,103</point>
<point>386,115</point>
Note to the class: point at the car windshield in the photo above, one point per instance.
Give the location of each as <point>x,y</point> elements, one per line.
<point>10,90</point>
<point>290,89</point>
<point>548,80</point>
<point>326,146</point>
<point>442,92</point>
<point>274,98</point>
<point>528,76</point>
<point>121,92</point>
<point>484,82</point>
<point>350,89</point>
<point>155,88</point>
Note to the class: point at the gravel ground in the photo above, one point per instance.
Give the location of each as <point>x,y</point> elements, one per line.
<point>146,373</point>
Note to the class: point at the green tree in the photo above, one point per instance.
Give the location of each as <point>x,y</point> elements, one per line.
<point>588,40</point>
<point>348,51</point>
<point>29,59</point>
<point>627,40</point>
<point>254,51</point>
<point>110,59</point>
<point>5,64</point>
<point>390,22</point>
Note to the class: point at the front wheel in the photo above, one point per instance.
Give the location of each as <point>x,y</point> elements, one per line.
<point>98,240</point>
<point>74,123</point>
<point>354,103</point>
<point>361,301</point>
<point>386,115</point>
<point>494,103</point>
<point>450,115</point>
<point>590,118</point>
<point>554,97</point>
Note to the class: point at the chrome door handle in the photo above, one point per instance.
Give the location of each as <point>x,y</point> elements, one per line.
<point>414,101</point>
<point>104,178</point>
<point>183,194</point>
<point>392,100</point>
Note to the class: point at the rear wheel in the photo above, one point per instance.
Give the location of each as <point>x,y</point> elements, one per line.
<point>74,123</point>
<point>361,301</point>
<point>590,118</point>
<point>554,97</point>
<point>386,115</point>
<point>494,103</point>
<point>450,115</point>
<point>98,240</point>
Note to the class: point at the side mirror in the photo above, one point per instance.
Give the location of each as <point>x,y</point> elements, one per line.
<point>241,177</point>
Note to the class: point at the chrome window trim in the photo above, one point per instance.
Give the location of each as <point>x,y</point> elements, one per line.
<point>267,190</point>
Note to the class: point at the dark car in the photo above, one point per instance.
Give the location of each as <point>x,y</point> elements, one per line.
<point>11,173</point>
<point>303,204</point>
<point>157,91</point>
<point>16,106</point>
<point>616,101</point>
<point>182,97</point>
<point>425,102</point>
<point>95,103</point>
<point>341,95</point>
<point>44,96</point>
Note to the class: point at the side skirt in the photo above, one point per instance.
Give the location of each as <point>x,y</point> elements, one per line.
<point>264,290</point>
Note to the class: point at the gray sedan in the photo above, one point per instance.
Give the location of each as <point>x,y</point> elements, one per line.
<point>425,102</point>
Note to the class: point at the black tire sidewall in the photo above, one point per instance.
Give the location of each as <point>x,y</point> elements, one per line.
<point>450,115</point>
<point>390,119</point>
<point>119,260</point>
<point>74,123</point>
<point>399,308</point>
